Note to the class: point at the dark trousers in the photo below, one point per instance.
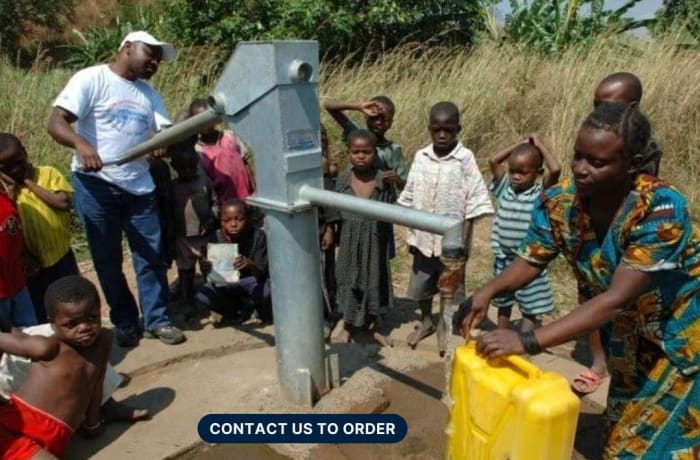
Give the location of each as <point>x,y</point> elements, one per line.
<point>38,283</point>
<point>238,300</point>
<point>106,211</point>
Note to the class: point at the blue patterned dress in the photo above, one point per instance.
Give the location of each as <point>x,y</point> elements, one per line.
<point>652,347</point>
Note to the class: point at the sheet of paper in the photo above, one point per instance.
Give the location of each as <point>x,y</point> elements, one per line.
<point>221,256</point>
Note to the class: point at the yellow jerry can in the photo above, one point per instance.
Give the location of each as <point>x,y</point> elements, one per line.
<point>507,408</point>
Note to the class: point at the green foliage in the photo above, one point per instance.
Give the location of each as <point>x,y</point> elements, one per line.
<point>340,26</point>
<point>551,26</point>
<point>680,16</point>
<point>18,15</point>
<point>99,44</point>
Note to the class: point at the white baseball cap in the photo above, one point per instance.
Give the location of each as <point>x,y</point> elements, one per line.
<point>144,37</point>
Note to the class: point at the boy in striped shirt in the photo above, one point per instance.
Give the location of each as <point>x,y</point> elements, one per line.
<point>516,191</point>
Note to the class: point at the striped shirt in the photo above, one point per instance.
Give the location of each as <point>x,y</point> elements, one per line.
<point>512,216</point>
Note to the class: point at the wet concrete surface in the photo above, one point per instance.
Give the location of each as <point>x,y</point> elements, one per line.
<point>416,396</point>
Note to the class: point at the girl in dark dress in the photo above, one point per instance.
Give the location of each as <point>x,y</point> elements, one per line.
<point>362,269</point>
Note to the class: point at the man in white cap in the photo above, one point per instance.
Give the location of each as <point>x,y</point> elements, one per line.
<point>114,109</point>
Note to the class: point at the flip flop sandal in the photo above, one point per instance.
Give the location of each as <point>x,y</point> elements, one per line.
<point>586,382</point>
<point>419,334</point>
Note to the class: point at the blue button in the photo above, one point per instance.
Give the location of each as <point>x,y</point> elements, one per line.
<point>302,428</point>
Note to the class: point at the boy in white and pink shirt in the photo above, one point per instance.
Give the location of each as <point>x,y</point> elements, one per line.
<point>444,179</point>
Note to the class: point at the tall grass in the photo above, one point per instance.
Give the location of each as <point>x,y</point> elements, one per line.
<point>504,92</point>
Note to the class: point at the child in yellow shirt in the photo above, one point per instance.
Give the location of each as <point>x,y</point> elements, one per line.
<point>43,200</point>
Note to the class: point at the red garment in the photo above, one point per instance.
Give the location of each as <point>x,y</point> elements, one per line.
<point>12,278</point>
<point>24,430</point>
<point>224,165</point>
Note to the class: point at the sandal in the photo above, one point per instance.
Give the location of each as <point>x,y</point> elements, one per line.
<point>586,382</point>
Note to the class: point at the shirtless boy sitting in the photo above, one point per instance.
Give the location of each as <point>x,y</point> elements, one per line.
<point>63,390</point>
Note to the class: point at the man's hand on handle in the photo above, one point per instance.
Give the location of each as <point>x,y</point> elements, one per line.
<point>88,158</point>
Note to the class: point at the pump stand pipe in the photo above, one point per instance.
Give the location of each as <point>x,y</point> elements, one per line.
<point>170,135</point>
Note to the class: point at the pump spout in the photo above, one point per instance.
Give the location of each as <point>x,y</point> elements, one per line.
<point>454,258</point>
<point>453,244</point>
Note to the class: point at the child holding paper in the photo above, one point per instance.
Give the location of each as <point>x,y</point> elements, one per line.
<point>237,300</point>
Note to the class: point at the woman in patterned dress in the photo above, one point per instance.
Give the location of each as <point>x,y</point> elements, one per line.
<point>632,245</point>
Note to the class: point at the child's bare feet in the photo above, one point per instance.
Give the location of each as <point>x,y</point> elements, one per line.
<point>503,321</point>
<point>341,337</point>
<point>112,411</point>
<point>340,334</point>
<point>529,323</point>
<point>383,340</point>
<point>588,381</point>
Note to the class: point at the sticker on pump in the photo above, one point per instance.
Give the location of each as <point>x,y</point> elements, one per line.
<point>301,139</point>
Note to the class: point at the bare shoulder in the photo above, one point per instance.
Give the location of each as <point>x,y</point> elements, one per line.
<point>51,344</point>
<point>98,351</point>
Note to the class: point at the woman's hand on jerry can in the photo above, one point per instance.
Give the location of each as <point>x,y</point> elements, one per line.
<point>500,342</point>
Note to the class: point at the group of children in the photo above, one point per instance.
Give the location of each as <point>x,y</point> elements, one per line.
<point>445,179</point>
<point>204,203</point>
<point>36,228</point>
<point>62,387</point>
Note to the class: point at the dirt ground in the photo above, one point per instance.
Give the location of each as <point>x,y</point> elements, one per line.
<point>416,393</point>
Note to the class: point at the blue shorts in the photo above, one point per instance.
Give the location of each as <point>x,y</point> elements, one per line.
<point>533,299</point>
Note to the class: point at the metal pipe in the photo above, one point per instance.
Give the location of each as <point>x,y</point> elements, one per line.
<point>174,133</point>
<point>451,228</point>
<point>453,244</point>
<point>295,274</point>
<point>453,254</point>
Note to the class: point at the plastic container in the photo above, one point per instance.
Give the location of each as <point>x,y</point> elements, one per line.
<point>507,408</point>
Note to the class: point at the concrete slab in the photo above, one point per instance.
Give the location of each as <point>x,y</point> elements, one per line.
<point>152,354</point>
<point>242,382</point>
<point>234,370</point>
<point>183,383</point>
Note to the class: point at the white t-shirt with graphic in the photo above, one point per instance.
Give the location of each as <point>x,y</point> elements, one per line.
<point>114,114</point>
